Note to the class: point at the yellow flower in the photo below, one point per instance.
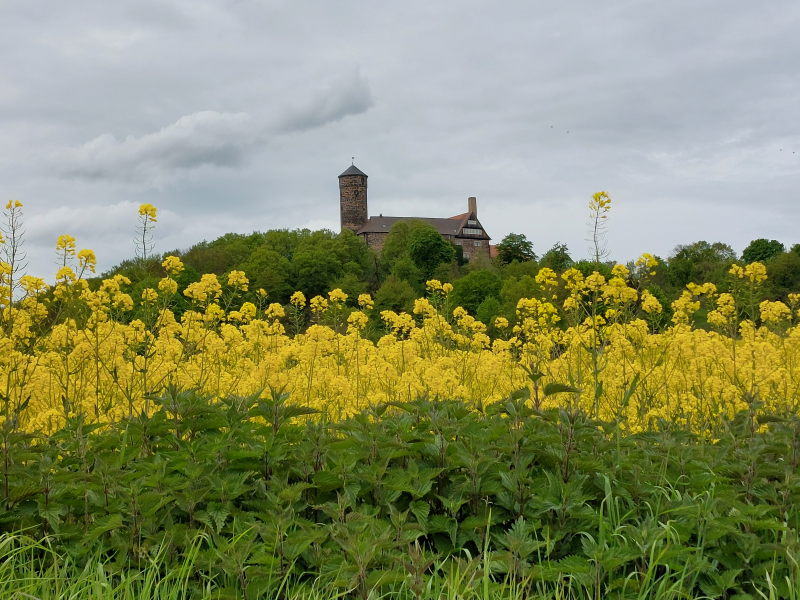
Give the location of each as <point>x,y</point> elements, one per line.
<point>365,301</point>
<point>168,285</point>
<point>66,244</point>
<point>501,323</point>
<point>774,312</point>
<point>600,202</point>
<point>650,303</point>
<point>32,285</point>
<point>208,288</point>
<point>173,265</point>
<point>87,259</point>
<point>620,271</point>
<point>356,321</point>
<point>573,279</point>
<point>595,281</point>
<point>433,285</point>
<point>337,295</point>
<point>66,273</point>
<point>546,277</point>
<point>274,311</point>
<point>149,212</point>
<point>647,261</point>
<point>447,288</point>
<point>149,295</point>
<point>755,272</point>
<point>238,280</point>
<point>318,305</point>
<point>298,299</point>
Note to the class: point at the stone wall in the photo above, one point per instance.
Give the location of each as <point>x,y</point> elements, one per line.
<point>353,201</point>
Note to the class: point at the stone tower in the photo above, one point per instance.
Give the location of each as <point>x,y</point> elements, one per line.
<point>353,198</point>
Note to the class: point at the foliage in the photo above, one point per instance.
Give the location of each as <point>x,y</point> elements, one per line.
<point>515,247</point>
<point>761,250</point>
<point>699,262</point>
<point>475,287</point>
<point>428,249</point>
<point>395,294</point>
<point>253,498</point>
<point>784,274</point>
<point>557,258</point>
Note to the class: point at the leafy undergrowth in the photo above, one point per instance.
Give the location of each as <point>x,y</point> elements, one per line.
<point>246,498</point>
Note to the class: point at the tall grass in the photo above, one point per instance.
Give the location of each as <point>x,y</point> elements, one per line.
<point>31,569</point>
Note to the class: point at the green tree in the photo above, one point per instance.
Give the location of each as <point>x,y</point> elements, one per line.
<point>783,272</point>
<point>395,294</point>
<point>587,267</point>
<point>269,270</point>
<point>404,268</point>
<point>514,289</point>
<point>761,250</point>
<point>699,262</point>
<point>472,289</point>
<point>488,310</point>
<point>428,249</point>
<point>518,269</point>
<point>315,269</point>
<point>396,244</point>
<point>515,247</point>
<point>557,258</point>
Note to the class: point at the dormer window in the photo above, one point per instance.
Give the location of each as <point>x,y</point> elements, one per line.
<point>468,231</point>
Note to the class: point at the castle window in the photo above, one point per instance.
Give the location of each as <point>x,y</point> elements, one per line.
<point>469,231</point>
<point>472,222</point>
<point>477,243</point>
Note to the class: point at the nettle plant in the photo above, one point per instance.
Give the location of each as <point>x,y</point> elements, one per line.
<point>260,493</point>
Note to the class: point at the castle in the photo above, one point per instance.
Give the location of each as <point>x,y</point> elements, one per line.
<point>463,230</point>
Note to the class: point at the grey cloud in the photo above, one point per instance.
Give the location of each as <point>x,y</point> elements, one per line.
<point>202,138</point>
<point>686,112</point>
<point>345,97</point>
<point>207,138</point>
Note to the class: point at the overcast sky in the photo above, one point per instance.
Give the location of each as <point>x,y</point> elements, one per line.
<point>239,116</point>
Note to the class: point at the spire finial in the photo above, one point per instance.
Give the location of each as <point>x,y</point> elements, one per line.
<point>352,160</point>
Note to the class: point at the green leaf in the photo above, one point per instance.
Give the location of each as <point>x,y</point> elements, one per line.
<point>420,509</point>
<point>558,388</point>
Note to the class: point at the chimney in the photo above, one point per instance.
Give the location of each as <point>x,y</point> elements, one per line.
<point>472,206</point>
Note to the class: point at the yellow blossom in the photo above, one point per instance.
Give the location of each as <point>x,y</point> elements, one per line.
<point>168,286</point>
<point>238,280</point>
<point>149,295</point>
<point>433,285</point>
<point>365,301</point>
<point>650,303</point>
<point>318,305</point>
<point>298,299</point>
<point>66,245</point>
<point>173,265</point>
<point>87,259</point>
<point>148,211</point>
<point>337,295</point>
<point>620,271</point>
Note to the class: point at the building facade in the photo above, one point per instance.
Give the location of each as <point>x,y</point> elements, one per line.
<point>464,230</point>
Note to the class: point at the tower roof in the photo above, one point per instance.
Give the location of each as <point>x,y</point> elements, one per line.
<point>353,170</point>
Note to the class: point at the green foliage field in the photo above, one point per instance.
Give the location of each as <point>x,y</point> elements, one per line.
<point>251,498</point>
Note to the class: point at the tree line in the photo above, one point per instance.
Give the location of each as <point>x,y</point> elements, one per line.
<point>282,261</point>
